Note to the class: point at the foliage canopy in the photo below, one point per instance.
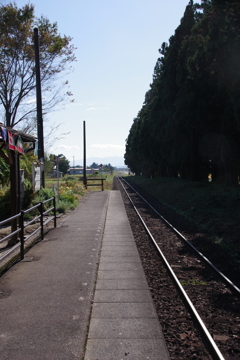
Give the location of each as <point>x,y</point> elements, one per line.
<point>17,63</point>
<point>189,124</point>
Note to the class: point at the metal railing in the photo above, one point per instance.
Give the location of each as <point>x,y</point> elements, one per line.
<point>22,225</point>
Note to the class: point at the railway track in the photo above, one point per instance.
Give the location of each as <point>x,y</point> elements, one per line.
<point>209,326</point>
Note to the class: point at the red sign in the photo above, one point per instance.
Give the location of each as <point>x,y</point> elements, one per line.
<point>11,143</point>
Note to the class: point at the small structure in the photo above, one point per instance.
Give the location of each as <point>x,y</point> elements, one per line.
<point>75,171</point>
<point>78,171</point>
<point>14,143</point>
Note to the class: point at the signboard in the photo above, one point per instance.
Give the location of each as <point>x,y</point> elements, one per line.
<point>36,178</point>
<point>21,173</point>
<point>55,190</point>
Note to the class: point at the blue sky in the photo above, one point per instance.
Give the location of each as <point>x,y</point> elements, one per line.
<point>117,48</point>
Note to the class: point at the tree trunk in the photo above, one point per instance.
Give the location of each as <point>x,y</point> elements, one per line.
<point>14,194</point>
<point>228,163</point>
<point>195,160</point>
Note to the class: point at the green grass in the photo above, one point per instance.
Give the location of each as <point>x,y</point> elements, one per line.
<point>193,282</point>
<point>72,189</point>
<point>107,182</point>
<point>213,208</point>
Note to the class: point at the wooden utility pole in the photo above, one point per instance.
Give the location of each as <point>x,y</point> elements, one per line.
<point>39,108</point>
<point>84,156</point>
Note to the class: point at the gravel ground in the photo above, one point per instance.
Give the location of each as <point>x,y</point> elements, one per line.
<point>218,306</point>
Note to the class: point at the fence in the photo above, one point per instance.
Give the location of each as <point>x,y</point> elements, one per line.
<point>22,226</point>
<point>87,180</point>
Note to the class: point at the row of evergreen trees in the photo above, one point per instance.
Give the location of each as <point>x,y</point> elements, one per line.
<point>189,124</point>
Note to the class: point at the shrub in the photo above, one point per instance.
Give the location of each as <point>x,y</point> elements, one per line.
<point>28,194</point>
<point>44,194</point>
<point>5,204</point>
<point>68,198</point>
<point>61,207</point>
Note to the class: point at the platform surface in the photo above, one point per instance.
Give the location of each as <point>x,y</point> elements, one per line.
<point>81,288</point>
<point>123,324</point>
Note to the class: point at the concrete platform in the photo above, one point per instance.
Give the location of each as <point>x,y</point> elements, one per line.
<point>45,303</point>
<point>61,301</point>
<point>123,324</point>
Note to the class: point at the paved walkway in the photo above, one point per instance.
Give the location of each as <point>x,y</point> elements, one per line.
<point>52,302</point>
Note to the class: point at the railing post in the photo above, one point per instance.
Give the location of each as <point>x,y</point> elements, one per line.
<point>21,223</point>
<point>54,211</point>
<point>41,220</point>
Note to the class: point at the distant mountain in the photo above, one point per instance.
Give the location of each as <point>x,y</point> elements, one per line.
<point>116,161</point>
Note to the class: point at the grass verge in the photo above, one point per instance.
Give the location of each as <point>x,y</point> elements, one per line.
<point>214,208</point>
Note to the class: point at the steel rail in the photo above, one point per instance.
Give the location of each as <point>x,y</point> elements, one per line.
<point>213,349</point>
<point>224,278</point>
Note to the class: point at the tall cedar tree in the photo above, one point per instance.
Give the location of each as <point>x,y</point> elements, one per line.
<point>192,110</point>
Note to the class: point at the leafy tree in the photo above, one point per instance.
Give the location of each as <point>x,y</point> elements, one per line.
<point>109,167</point>
<point>191,114</point>
<point>4,173</point>
<point>63,164</point>
<point>149,148</point>
<point>48,162</point>
<point>17,63</point>
<point>26,161</point>
<point>94,165</point>
<point>18,75</point>
<point>214,65</point>
<point>131,155</point>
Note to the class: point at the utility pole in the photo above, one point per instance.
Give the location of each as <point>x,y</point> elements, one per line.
<point>39,108</point>
<point>84,155</point>
<point>57,161</point>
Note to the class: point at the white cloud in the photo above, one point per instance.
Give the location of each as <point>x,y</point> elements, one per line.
<point>67,147</point>
<point>97,108</point>
<point>29,101</point>
<point>107,146</point>
<point>73,104</point>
